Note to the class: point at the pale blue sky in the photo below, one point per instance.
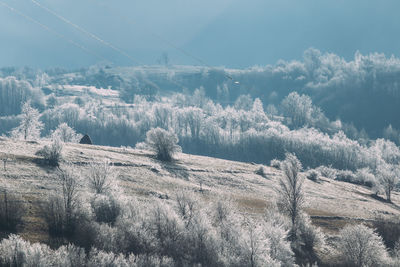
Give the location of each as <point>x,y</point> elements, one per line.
<point>232,33</point>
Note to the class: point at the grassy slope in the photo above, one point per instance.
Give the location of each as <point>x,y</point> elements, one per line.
<point>330,203</point>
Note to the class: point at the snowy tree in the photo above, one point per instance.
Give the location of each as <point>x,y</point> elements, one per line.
<point>164,143</point>
<point>290,191</point>
<point>244,102</point>
<point>361,246</point>
<point>388,176</point>
<point>66,134</point>
<point>298,108</point>
<point>30,126</point>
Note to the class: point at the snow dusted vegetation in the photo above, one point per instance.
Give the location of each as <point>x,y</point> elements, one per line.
<point>211,175</point>
<point>199,133</point>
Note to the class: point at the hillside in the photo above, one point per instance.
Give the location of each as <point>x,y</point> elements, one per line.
<point>330,203</point>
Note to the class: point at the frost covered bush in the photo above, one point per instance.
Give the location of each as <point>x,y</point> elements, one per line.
<point>359,245</point>
<point>327,172</point>
<point>105,208</point>
<point>345,176</point>
<point>60,210</point>
<point>276,228</point>
<point>366,177</point>
<point>163,143</point>
<point>309,239</point>
<point>15,251</point>
<point>260,171</point>
<point>101,177</point>
<point>313,175</point>
<point>275,163</point>
<point>52,153</point>
<point>66,134</point>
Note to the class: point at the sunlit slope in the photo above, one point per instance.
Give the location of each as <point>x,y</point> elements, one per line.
<point>330,203</point>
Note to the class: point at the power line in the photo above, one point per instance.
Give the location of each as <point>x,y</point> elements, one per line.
<point>92,35</point>
<point>95,37</point>
<point>181,50</point>
<point>52,31</point>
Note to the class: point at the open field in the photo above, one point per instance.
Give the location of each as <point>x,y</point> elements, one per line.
<point>331,204</point>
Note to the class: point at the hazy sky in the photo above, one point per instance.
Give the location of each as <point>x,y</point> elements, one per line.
<point>232,33</point>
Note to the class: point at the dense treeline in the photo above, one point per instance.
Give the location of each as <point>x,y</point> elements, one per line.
<point>364,91</point>
<point>242,132</point>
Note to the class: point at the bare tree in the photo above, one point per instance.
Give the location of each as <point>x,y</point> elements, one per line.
<point>186,206</point>
<point>290,192</point>
<point>101,176</point>
<point>69,185</point>
<point>60,209</point>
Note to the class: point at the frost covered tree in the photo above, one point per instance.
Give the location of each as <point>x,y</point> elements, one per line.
<point>30,126</point>
<point>388,178</point>
<point>290,192</point>
<point>361,246</point>
<point>164,143</point>
<point>66,134</point>
<point>244,102</point>
<point>298,108</point>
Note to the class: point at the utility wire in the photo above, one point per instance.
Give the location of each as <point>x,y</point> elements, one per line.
<point>181,50</point>
<point>95,37</point>
<point>52,31</point>
<point>92,35</point>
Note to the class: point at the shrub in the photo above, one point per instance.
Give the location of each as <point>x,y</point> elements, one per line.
<point>11,211</point>
<point>52,154</point>
<point>15,251</point>
<point>60,210</point>
<point>359,245</point>
<point>276,230</point>
<point>388,229</point>
<point>276,164</point>
<point>66,134</point>
<point>163,143</point>
<point>327,172</point>
<point>309,238</point>
<point>260,171</point>
<point>366,177</point>
<point>55,215</point>
<point>106,209</point>
<point>313,175</point>
<point>345,176</point>
<point>101,176</point>
<point>186,207</point>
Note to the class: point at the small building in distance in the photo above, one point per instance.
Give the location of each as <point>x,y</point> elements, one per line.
<point>86,140</point>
